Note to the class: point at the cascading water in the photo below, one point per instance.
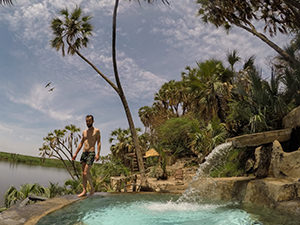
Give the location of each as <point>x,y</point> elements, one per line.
<point>215,158</point>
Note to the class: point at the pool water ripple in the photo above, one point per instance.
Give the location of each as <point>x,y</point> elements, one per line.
<point>147,210</point>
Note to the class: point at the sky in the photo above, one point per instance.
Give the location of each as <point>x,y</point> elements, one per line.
<point>155,43</point>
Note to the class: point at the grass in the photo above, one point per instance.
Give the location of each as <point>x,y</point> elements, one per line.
<point>30,160</point>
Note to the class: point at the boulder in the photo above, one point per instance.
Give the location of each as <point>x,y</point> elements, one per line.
<point>284,163</point>
<point>262,161</point>
<point>267,192</point>
<point>277,153</point>
<point>220,189</point>
<point>292,119</point>
<point>270,191</point>
<point>249,165</point>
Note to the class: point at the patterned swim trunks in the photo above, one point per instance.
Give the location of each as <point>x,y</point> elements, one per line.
<point>88,158</point>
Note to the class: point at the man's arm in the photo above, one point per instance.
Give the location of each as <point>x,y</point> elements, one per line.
<point>98,146</point>
<point>79,147</point>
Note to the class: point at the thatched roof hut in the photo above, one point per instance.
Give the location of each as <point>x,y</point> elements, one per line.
<point>151,153</point>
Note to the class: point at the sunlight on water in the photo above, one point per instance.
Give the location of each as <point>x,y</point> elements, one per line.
<point>173,206</point>
<point>159,209</point>
<point>168,213</point>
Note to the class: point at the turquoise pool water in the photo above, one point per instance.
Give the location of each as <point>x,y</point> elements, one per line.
<point>154,209</point>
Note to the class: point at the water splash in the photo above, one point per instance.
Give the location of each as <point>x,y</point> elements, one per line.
<point>180,207</point>
<point>214,159</point>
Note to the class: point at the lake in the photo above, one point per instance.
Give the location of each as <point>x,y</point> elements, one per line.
<point>13,174</point>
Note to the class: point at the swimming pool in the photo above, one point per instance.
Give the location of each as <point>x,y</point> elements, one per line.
<point>157,209</point>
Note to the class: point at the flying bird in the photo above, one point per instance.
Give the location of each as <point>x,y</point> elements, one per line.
<point>51,89</point>
<point>47,85</point>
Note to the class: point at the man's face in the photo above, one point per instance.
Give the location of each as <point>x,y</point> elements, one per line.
<point>89,122</point>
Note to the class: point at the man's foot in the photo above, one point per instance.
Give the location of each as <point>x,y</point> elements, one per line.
<point>82,194</point>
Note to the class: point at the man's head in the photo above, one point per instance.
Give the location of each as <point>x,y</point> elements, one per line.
<point>89,119</point>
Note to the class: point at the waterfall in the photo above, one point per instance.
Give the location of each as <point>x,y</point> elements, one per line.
<point>215,158</point>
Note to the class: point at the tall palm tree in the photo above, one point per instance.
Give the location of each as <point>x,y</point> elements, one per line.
<point>121,141</point>
<point>6,2</point>
<point>74,32</point>
<point>209,85</point>
<point>233,58</point>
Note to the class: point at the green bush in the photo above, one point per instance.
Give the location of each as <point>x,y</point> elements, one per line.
<point>176,135</point>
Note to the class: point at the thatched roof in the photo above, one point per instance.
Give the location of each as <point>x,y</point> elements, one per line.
<point>150,153</point>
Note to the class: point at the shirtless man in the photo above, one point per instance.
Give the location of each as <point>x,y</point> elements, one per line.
<point>89,139</point>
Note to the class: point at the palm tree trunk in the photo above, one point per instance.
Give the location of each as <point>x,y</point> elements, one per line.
<point>261,36</point>
<point>124,101</point>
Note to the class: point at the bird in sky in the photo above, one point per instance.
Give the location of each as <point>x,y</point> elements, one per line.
<point>51,89</point>
<point>47,85</point>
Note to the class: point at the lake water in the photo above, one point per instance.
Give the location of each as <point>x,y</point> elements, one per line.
<point>12,174</point>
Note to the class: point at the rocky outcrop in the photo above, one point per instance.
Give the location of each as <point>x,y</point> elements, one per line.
<point>258,139</point>
<point>262,161</point>
<point>292,120</point>
<point>220,189</point>
<point>275,193</point>
<point>284,164</point>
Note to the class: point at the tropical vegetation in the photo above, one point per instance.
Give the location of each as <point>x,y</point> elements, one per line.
<point>60,144</point>
<point>214,101</point>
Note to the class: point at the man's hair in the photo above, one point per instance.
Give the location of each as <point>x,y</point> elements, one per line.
<point>90,116</point>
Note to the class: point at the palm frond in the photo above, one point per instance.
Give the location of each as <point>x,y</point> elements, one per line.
<point>6,2</point>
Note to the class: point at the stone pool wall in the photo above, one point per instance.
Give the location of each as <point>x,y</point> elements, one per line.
<point>283,194</point>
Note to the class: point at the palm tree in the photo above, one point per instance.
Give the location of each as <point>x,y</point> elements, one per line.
<point>233,58</point>
<point>121,141</point>
<point>74,31</point>
<point>209,83</point>
<point>6,2</point>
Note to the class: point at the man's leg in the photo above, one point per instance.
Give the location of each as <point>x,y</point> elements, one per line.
<point>89,178</point>
<point>84,180</point>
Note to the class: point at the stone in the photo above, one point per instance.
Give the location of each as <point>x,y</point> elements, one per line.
<point>290,164</point>
<point>261,138</point>
<point>291,207</point>
<point>221,189</point>
<point>249,165</point>
<point>277,153</point>
<point>178,174</point>
<point>270,191</point>
<point>297,185</point>
<point>292,119</point>
<point>257,157</point>
<point>262,161</point>
<point>284,163</point>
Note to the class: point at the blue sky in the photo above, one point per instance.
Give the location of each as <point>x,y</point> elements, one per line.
<point>155,43</point>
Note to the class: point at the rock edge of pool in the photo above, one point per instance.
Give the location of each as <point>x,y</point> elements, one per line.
<point>31,214</point>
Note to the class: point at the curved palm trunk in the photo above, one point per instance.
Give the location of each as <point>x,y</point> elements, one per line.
<point>124,101</point>
<point>261,36</point>
<point>120,92</point>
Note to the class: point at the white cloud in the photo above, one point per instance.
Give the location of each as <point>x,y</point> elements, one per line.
<point>43,101</point>
<point>5,129</point>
